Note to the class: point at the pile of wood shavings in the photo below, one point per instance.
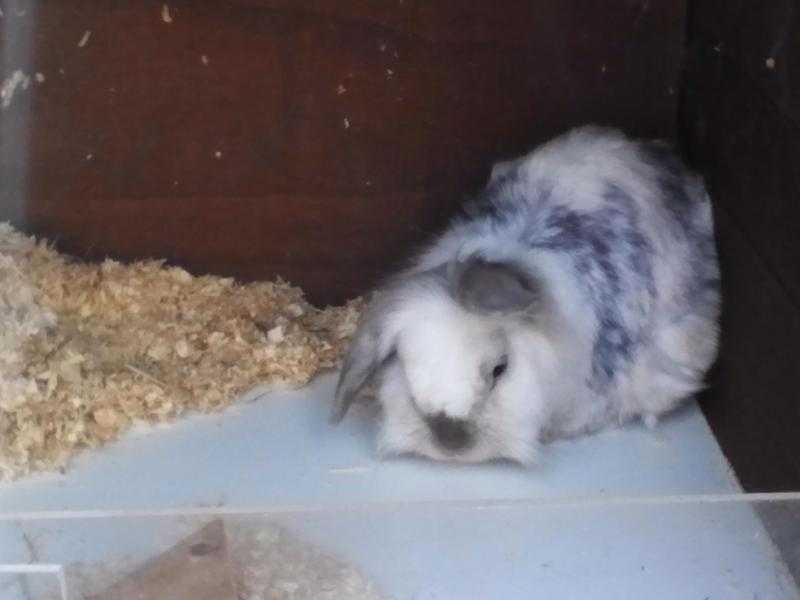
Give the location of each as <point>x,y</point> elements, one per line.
<point>86,350</point>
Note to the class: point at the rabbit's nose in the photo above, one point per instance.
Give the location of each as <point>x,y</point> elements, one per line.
<point>451,434</point>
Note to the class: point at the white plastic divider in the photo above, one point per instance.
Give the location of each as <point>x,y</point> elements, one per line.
<point>366,507</point>
<point>39,569</point>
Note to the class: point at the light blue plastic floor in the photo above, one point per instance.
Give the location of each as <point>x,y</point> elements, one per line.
<point>629,513</point>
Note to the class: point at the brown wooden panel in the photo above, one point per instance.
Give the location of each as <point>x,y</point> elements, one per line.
<point>750,148</point>
<point>752,405</point>
<point>208,139</point>
<point>303,247</point>
<point>762,38</point>
<point>743,132</point>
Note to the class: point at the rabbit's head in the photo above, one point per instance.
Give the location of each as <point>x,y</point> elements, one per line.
<point>457,358</point>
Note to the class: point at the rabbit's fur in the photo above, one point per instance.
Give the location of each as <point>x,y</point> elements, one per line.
<point>579,290</point>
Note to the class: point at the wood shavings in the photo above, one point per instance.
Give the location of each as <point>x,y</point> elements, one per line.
<point>165,14</point>
<point>87,350</point>
<point>84,38</point>
<point>16,80</point>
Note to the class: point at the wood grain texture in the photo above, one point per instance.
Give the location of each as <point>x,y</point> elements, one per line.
<point>317,140</point>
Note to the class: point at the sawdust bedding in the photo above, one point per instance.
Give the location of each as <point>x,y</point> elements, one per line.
<point>86,350</point>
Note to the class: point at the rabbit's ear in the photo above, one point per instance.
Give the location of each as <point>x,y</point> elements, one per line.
<point>370,350</point>
<point>493,287</point>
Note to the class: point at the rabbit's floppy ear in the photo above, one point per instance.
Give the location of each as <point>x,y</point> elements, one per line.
<point>488,287</point>
<point>369,351</point>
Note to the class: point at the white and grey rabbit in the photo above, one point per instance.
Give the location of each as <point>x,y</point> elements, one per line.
<point>578,291</point>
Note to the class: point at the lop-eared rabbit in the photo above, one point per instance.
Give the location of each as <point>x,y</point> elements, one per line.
<point>579,290</point>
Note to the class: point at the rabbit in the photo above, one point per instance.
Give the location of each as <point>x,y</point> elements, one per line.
<point>578,291</point>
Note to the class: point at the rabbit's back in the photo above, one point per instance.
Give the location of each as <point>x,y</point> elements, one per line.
<point>631,229</point>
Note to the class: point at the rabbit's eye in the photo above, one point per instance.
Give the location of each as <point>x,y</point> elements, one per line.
<point>499,369</point>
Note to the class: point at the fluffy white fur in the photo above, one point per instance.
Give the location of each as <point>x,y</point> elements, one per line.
<point>602,340</point>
